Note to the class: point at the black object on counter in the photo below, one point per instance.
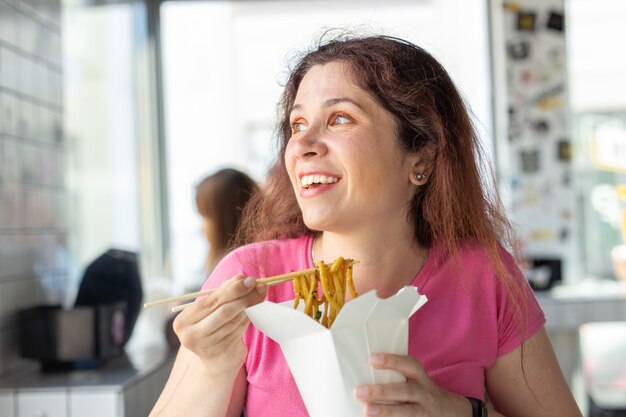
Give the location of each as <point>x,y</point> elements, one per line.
<point>111,278</point>
<point>97,328</point>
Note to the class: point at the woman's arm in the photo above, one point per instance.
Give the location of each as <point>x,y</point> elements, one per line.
<point>543,391</point>
<point>190,392</point>
<point>208,379</point>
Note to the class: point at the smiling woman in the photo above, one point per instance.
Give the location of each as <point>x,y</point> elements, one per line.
<point>223,68</point>
<point>377,163</point>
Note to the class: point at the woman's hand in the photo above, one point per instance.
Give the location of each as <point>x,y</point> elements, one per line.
<point>418,396</point>
<point>212,327</point>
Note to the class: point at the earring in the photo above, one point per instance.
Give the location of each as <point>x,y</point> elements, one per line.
<point>419,176</point>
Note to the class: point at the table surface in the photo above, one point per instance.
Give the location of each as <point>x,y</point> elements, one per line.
<point>116,373</point>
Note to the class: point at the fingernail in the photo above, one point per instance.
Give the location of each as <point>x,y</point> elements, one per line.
<point>377,359</point>
<point>373,410</point>
<point>249,282</point>
<point>362,391</point>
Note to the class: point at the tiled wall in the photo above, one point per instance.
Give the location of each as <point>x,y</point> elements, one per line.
<point>33,236</point>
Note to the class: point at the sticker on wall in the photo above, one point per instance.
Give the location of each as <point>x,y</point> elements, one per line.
<point>556,21</point>
<point>529,160</point>
<point>515,131</point>
<point>564,234</point>
<point>512,7</point>
<point>541,126</point>
<point>556,59</point>
<point>550,98</point>
<point>564,150</point>
<point>531,195</point>
<point>608,148</point>
<point>518,50</point>
<point>542,234</point>
<point>527,76</point>
<point>526,21</point>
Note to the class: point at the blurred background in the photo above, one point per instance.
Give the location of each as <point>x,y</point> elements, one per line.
<point>112,112</point>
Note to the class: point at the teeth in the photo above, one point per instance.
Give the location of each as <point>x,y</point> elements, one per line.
<point>307,180</point>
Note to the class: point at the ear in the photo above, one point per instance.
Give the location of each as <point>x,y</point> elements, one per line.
<point>418,177</point>
<point>420,168</point>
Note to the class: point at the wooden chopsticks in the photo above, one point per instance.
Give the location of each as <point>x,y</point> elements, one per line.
<point>275,280</point>
<point>278,279</point>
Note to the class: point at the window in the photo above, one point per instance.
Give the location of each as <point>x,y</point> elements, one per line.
<point>113,200</point>
<point>597,81</point>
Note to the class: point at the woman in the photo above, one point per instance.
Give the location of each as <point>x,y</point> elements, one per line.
<point>377,163</point>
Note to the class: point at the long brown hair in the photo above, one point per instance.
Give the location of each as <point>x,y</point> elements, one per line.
<point>222,197</point>
<point>430,116</point>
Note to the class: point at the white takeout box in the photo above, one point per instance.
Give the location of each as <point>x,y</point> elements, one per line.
<point>328,363</point>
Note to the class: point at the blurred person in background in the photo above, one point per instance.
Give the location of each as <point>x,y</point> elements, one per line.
<point>220,200</point>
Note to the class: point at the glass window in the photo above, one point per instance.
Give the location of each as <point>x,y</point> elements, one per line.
<point>597,80</point>
<point>109,179</point>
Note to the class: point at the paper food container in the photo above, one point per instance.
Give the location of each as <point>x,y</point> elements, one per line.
<point>328,363</point>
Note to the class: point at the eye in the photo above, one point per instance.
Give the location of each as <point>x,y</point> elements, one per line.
<point>340,119</point>
<point>297,127</point>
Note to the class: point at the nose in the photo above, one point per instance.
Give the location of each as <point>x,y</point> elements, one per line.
<point>309,143</point>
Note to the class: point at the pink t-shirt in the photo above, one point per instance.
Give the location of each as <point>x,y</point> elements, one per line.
<point>459,333</point>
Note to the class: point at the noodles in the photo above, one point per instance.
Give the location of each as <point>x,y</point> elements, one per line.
<point>335,280</point>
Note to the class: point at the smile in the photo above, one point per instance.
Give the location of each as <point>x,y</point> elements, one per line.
<point>308,180</point>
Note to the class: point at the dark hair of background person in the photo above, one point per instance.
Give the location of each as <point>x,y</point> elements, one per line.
<point>458,204</point>
<point>221,197</point>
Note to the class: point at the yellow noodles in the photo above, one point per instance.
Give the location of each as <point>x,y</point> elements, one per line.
<point>334,280</point>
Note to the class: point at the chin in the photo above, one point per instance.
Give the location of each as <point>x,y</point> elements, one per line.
<point>316,222</point>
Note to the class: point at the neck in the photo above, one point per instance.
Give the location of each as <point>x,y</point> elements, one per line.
<point>388,259</point>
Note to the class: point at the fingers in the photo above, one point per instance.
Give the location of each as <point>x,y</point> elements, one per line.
<point>401,410</point>
<point>207,315</point>
<point>408,398</point>
<point>218,328</point>
<point>244,290</point>
<point>225,334</point>
<point>406,365</point>
<point>404,392</point>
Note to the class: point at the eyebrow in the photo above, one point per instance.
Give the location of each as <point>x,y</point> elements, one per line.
<point>330,102</point>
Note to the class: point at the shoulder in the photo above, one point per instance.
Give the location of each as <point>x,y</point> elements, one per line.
<point>282,248</point>
<point>472,256</point>
<point>475,269</point>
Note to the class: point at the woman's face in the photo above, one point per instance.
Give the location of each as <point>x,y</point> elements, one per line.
<point>343,159</point>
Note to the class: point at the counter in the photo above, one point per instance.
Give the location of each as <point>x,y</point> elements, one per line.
<point>124,387</point>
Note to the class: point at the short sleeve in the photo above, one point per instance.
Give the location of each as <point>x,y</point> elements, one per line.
<point>518,320</point>
<point>228,267</point>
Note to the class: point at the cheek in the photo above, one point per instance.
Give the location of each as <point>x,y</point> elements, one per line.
<point>290,161</point>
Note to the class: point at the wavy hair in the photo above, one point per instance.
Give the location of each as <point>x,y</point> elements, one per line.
<point>459,201</point>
